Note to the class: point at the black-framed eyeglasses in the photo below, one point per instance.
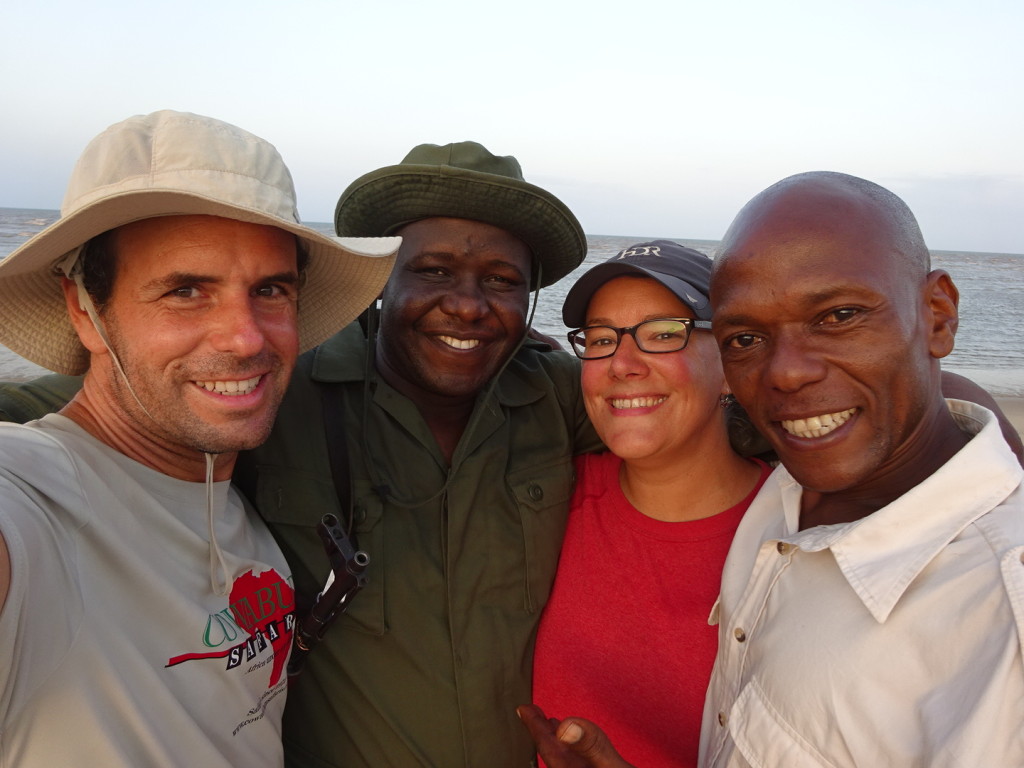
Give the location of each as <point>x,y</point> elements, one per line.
<point>667,334</point>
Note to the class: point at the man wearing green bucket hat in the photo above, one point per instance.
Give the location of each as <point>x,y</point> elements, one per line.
<point>460,433</point>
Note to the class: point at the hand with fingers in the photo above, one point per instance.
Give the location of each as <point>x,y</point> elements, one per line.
<point>570,743</point>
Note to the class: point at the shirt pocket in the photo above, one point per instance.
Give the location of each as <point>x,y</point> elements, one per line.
<point>542,496</point>
<point>292,502</point>
<point>764,738</point>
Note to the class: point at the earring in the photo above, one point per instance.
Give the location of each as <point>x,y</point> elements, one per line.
<point>726,400</point>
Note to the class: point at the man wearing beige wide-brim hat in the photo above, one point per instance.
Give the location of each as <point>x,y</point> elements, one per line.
<point>147,613</point>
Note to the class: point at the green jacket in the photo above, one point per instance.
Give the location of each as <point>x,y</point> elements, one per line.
<point>433,656</point>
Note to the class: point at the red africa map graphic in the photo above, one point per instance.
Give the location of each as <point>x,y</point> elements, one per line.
<point>262,607</point>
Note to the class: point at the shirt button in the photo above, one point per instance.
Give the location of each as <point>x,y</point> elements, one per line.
<point>722,719</point>
<point>739,634</point>
<point>536,492</point>
<point>784,548</point>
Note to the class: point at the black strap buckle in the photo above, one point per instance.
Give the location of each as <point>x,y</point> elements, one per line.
<point>347,577</point>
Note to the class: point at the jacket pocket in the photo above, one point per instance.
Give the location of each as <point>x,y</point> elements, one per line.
<point>542,494</point>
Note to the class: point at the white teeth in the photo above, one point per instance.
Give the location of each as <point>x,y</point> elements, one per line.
<point>234,387</point>
<point>636,402</point>
<point>816,426</point>
<point>451,341</point>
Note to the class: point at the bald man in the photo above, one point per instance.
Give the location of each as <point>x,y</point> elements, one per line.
<point>872,604</point>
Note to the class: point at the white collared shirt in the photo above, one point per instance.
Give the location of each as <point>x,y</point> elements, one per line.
<point>895,640</point>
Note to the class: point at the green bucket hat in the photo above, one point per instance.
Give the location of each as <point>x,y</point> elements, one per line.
<point>464,181</point>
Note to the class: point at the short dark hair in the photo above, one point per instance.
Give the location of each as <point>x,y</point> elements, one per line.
<point>98,262</point>
<point>99,265</point>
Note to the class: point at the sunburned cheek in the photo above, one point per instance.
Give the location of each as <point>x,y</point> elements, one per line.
<point>286,338</point>
<point>593,405</point>
<point>687,376</point>
<point>282,329</point>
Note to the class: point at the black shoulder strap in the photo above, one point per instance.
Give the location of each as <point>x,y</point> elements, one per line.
<point>332,397</point>
<point>348,564</point>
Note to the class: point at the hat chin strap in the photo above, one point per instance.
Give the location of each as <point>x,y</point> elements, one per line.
<point>72,267</point>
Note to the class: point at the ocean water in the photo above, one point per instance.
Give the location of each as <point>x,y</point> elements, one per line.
<point>989,346</point>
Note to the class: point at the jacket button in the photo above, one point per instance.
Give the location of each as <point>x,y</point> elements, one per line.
<point>536,492</point>
<point>739,634</point>
<point>784,547</point>
<point>722,719</point>
<point>359,515</point>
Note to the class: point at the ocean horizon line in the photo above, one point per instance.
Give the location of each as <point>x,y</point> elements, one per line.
<point>327,228</point>
<point>988,350</point>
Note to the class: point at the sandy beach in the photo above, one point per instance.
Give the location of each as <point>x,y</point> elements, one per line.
<point>1013,407</point>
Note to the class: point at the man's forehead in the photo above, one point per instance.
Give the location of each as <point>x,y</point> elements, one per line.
<point>202,245</point>
<point>442,228</point>
<point>187,225</point>
<point>795,222</point>
<point>463,237</point>
<point>813,206</point>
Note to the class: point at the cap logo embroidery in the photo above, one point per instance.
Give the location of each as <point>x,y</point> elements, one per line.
<point>643,250</point>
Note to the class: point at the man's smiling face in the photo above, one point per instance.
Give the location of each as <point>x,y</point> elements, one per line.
<point>203,318</point>
<point>454,308</point>
<point>830,335</point>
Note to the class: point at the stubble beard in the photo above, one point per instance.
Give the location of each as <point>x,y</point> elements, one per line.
<point>168,419</point>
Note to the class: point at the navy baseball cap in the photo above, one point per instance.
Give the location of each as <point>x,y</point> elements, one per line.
<point>684,271</point>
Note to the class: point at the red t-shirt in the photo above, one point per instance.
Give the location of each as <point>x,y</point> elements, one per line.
<point>624,639</point>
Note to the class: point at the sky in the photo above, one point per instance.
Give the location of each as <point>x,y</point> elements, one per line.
<point>648,118</point>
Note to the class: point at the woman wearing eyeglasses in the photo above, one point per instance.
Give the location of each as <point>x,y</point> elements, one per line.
<point>624,640</point>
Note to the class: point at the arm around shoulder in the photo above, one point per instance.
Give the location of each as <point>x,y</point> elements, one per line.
<point>25,401</point>
<point>958,387</point>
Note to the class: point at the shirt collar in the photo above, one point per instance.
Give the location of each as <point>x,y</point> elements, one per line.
<point>881,554</point>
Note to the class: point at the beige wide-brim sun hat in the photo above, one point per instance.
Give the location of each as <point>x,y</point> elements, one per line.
<point>174,163</point>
